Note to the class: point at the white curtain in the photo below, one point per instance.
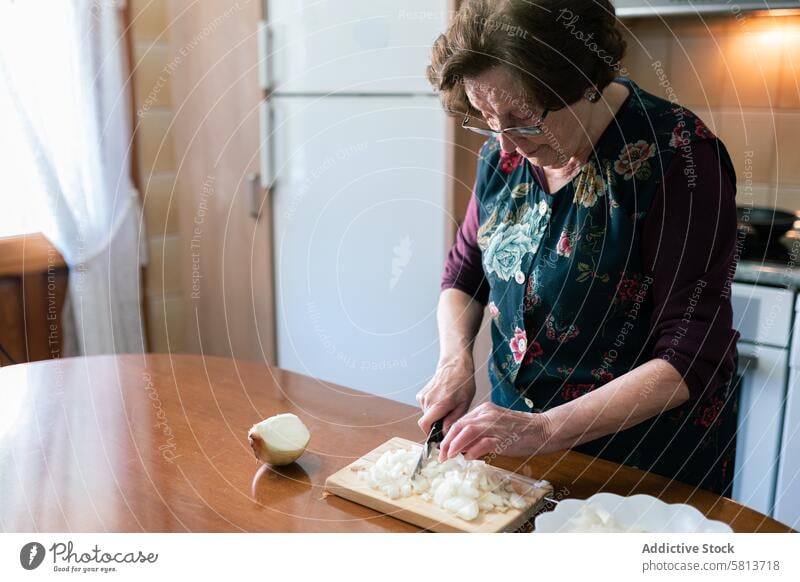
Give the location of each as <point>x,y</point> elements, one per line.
<point>64,101</point>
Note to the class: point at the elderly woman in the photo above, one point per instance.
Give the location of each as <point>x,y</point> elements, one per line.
<point>601,235</point>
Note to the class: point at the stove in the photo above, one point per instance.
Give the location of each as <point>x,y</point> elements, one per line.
<point>775,253</point>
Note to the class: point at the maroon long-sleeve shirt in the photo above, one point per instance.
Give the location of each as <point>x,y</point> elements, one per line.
<point>687,237</point>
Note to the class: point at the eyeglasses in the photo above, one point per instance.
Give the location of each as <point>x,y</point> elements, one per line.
<point>527,131</point>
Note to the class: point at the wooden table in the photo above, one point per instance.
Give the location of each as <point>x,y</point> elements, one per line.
<point>157,443</point>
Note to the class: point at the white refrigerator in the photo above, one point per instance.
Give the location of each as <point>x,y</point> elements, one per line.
<point>354,157</point>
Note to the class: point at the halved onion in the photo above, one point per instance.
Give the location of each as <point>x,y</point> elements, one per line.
<point>279,440</point>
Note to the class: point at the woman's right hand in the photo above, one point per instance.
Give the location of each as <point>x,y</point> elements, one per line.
<point>448,394</point>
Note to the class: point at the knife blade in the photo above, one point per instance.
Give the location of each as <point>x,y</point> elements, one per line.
<point>435,436</point>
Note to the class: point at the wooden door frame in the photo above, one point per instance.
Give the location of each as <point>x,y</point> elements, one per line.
<point>125,18</point>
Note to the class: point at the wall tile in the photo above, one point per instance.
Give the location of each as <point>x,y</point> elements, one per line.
<point>708,116</point>
<point>163,269</point>
<point>166,316</point>
<point>750,194</point>
<point>697,68</point>
<point>781,197</point>
<point>149,19</point>
<point>648,42</point>
<point>789,97</point>
<point>152,94</point>
<point>156,150</point>
<point>753,69</point>
<point>745,72</point>
<point>151,81</point>
<point>750,139</point>
<point>161,217</point>
<point>788,152</point>
<point>788,197</point>
<point>789,92</point>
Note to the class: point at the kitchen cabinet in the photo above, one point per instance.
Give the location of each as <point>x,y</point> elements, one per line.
<point>762,392</point>
<point>763,315</point>
<point>767,461</point>
<point>787,489</point>
<point>225,223</point>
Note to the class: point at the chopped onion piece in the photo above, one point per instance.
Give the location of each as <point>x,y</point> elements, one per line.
<point>461,487</point>
<point>591,517</point>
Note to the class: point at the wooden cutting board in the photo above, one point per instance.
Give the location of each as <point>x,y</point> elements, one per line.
<point>426,514</point>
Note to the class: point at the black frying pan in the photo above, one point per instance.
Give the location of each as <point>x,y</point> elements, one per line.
<point>765,225</point>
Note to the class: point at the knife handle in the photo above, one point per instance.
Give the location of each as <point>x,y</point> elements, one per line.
<point>437,432</point>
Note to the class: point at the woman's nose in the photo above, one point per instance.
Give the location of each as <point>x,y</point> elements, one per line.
<point>506,144</point>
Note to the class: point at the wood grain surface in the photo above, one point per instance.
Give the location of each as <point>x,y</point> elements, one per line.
<point>158,443</point>
<point>426,514</point>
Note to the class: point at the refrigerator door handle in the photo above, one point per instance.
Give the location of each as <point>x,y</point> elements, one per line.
<point>748,360</point>
<point>255,195</point>
<point>265,122</point>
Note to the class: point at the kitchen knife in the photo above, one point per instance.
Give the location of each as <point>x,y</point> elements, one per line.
<point>435,436</point>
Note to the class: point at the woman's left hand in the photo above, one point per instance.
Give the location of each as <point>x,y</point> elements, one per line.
<point>493,429</point>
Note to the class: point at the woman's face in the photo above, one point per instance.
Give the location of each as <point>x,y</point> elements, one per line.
<point>501,99</point>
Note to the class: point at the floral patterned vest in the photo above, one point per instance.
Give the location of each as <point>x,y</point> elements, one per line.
<point>568,291</point>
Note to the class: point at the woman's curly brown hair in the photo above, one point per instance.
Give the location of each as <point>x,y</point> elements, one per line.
<point>560,49</point>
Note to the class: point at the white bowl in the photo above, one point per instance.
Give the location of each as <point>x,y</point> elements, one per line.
<point>643,513</point>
